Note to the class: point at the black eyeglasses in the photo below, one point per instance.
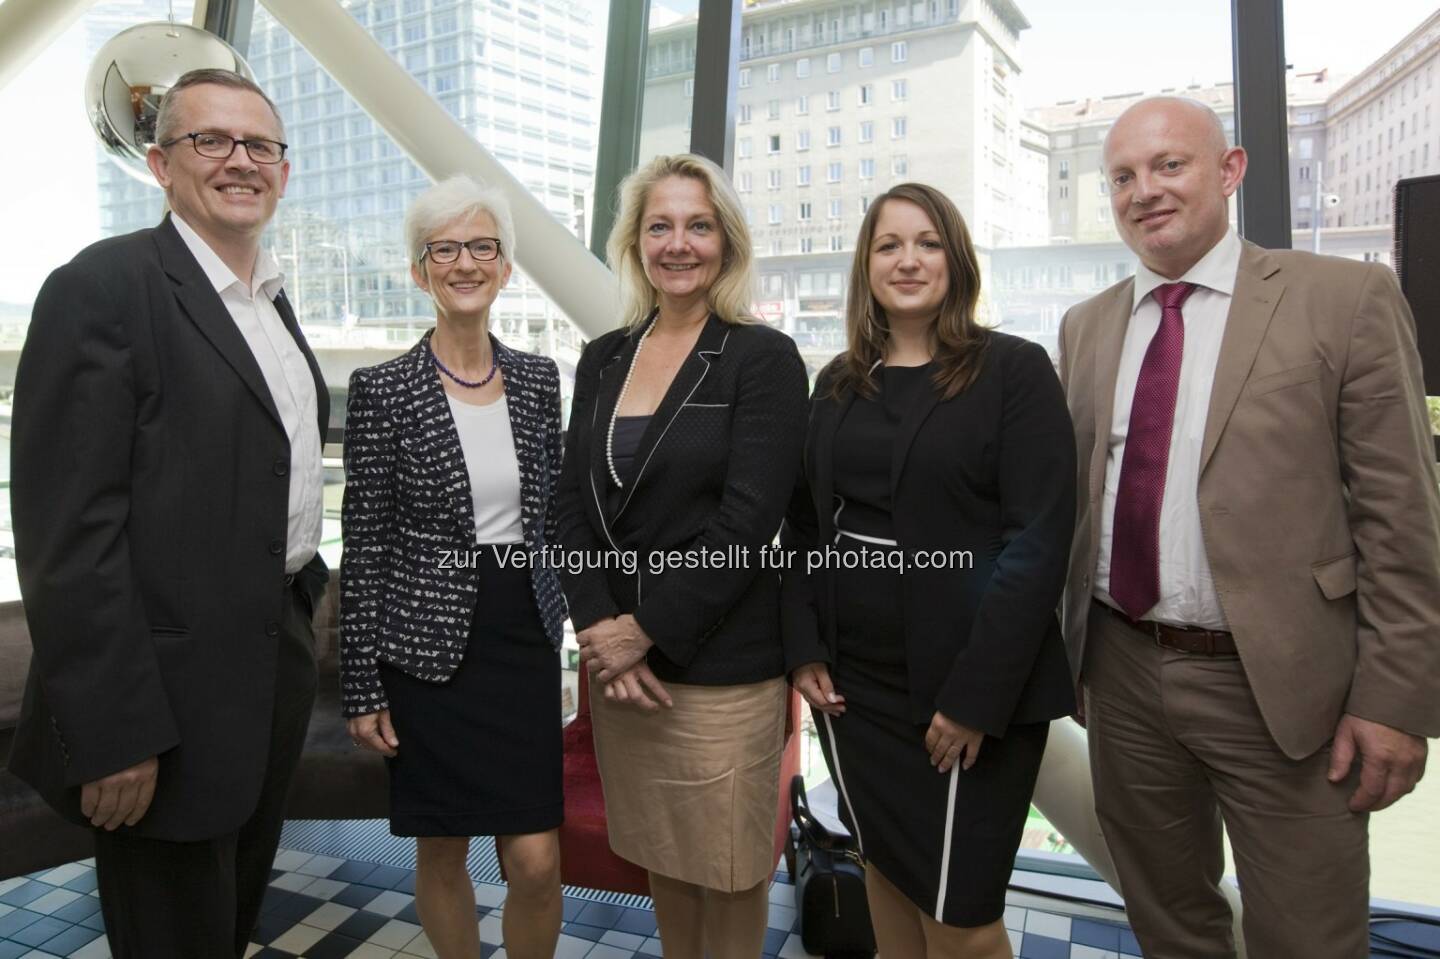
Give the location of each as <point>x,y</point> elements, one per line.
<point>481,248</point>
<point>218,146</point>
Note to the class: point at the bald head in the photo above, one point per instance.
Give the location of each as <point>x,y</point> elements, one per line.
<point>1171,175</point>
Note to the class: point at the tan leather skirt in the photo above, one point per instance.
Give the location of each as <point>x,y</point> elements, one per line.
<point>691,791</point>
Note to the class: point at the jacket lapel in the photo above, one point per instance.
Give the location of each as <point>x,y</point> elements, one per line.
<point>1107,344</point>
<point>430,407</point>
<point>829,413</point>
<point>909,425</point>
<point>610,379</point>
<point>207,311</point>
<point>688,378</point>
<point>1251,309</point>
<point>527,432</point>
<point>322,393</point>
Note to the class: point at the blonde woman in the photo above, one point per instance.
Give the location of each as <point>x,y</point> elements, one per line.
<point>449,657</point>
<point>684,444</point>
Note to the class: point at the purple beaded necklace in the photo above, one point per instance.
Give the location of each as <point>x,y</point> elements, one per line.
<point>472,384</point>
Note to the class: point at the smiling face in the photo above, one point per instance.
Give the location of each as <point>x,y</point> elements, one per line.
<point>1171,178</point>
<point>466,288</point>
<point>907,268</point>
<point>222,200</point>
<point>682,245</point>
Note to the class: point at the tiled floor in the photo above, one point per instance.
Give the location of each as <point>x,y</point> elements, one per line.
<point>325,905</point>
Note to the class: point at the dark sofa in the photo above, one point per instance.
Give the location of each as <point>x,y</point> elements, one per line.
<point>335,780</point>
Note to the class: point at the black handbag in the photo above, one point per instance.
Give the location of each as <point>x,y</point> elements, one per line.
<point>829,876</point>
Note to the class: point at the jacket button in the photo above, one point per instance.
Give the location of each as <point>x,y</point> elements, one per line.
<point>272,628</point>
<point>281,467</point>
<point>276,547</point>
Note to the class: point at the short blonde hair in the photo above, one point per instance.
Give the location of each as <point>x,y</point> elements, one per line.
<point>730,296</point>
<point>455,198</point>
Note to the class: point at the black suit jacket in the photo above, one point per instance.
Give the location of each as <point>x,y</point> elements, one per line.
<point>990,471</point>
<point>149,489</point>
<point>713,472</point>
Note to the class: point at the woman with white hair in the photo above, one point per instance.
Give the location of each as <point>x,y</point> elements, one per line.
<point>684,445</point>
<point>450,620</point>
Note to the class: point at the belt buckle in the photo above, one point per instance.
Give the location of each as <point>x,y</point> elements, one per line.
<point>1156,634</point>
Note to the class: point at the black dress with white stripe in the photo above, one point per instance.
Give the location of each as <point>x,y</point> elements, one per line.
<point>947,841</point>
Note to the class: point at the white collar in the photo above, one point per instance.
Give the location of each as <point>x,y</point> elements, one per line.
<point>1215,271</point>
<point>266,275</point>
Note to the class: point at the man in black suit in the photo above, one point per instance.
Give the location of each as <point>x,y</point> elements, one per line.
<point>166,490</point>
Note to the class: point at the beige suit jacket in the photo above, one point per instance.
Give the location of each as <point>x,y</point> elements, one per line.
<point>1317,495</point>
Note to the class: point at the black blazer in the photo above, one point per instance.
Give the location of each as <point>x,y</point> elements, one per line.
<point>991,471</point>
<point>150,493</point>
<point>407,592</point>
<point>713,471</point>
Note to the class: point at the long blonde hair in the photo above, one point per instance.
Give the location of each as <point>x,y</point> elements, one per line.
<point>959,339</point>
<point>730,296</point>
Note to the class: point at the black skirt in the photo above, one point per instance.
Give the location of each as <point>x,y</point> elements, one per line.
<point>480,754</point>
<point>947,841</point>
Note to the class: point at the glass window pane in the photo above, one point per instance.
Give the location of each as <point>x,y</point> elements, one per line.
<point>670,80</point>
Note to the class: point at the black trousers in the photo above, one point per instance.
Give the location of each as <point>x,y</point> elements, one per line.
<point>200,900</point>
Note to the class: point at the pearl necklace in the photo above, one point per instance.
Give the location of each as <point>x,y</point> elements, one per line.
<point>619,400</point>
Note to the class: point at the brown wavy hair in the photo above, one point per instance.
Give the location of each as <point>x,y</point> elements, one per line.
<point>958,339</point>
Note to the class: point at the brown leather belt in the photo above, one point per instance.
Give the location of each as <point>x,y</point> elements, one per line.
<point>1184,639</point>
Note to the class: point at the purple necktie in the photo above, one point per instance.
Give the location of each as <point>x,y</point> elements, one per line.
<point>1135,543</point>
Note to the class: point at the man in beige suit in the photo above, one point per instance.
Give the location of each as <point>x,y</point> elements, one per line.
<point>1253,608</point>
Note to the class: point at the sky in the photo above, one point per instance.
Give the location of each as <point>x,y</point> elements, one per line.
<point>1074,49</point>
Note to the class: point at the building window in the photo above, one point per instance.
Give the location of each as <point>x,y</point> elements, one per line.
<point>898,128</point>
<point>867,131</point>
<point>772,73</point>
<point>867,56</point>
<point>865,202</point>
<point>772,110</point>
<point>743,147</point>
<point>1307,148</point>
<point>1065,191</point>
<point>802,175</point>
<point>832,172</point>
<point>835,209</point>
<point>837,243</point>
<point>1304,173</point>
<point>832,63</point>
<point>832,136</point>
<point>1104,187</point>
<point>744,116</point>
<point>867,94</point>
<point>899,90</point>
<point>899,51</point>
<point>807,244</point>
<point>774,144</point>
<point>802,140</point>
<point>742,182</point>
<point>689,86</point>
<point>774,179</point>
<point>1064,170</point>
<point>832,100</point>
<point>1305,117</point>
<point>802,67</point>
<point>804,215</point>
<point>867,168</point>
<point>802,105</point>
<point>776,212</point>
<point>900,166</point>
<point>744,77</point>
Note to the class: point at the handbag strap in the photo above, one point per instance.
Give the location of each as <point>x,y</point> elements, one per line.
<point>810,827</point>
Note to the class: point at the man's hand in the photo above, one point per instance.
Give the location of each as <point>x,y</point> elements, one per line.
<point>639,687</point>
<point>611,646</point>
<point>1391,761</point>
<point>120,798</point>
<point>813,682</point>
<point>949,743</point>
<point>374,732</point>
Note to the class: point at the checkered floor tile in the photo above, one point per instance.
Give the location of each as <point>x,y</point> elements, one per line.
<point>325,904</point>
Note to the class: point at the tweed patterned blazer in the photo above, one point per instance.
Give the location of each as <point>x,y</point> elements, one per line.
<point>408,506</point>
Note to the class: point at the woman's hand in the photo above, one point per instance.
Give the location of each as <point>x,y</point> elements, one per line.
<point>373,731</point>
<point>949,741</point>
<point>611,646</point>
<point>639,687</point>
<point>813,682</point>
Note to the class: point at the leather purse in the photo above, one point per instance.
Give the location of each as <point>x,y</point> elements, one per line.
<point>829,877</point>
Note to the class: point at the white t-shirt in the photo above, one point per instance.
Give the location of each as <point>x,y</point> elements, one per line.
<point>490,460</point>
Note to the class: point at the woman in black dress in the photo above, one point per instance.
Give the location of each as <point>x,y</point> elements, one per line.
<point>931,534</point>
<point>449,634</point>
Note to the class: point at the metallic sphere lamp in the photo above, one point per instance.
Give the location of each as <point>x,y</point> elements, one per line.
<point>132,72</point>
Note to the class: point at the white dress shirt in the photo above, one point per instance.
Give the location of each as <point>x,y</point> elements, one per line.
<point>494,469</point>
<point>288,377</point>
<point>1187,589</point>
